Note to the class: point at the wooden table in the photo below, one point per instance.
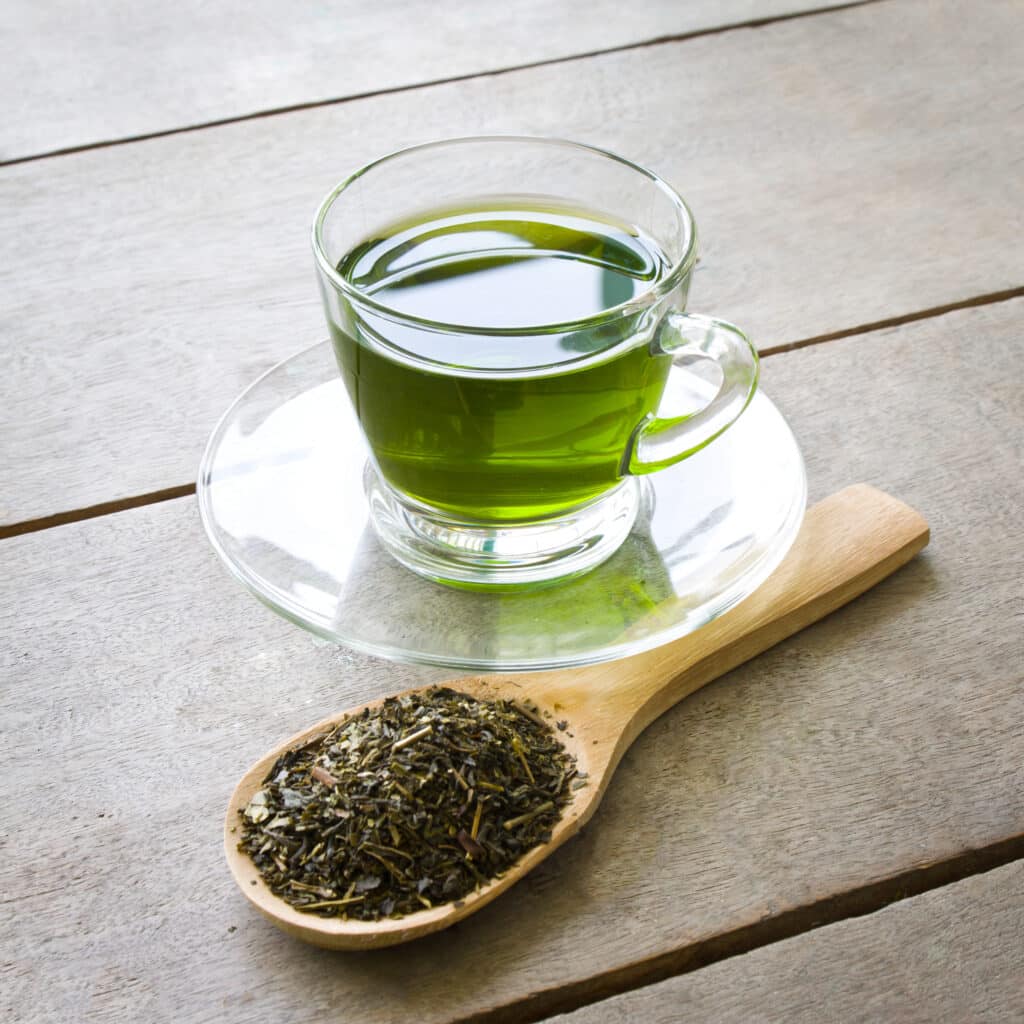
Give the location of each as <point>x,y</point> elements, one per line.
<point>834,831</point>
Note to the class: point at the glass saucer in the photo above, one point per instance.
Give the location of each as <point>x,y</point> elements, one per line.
<point>282,500</point>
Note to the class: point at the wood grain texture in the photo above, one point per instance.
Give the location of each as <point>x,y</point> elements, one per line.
<point>843,168</point>
<point>955,954</point>
<point>73,75</point>
<point>140,681</point>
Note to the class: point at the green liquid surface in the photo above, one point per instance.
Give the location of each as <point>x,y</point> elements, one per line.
<point>496,442</point>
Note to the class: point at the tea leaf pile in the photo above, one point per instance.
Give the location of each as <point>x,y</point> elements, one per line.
<point>404,806</point>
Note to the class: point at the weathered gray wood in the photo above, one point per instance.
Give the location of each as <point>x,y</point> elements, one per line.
<point>843,168</point>
<point>955,954</point>
<point>139,681</point>
<point>72,74</point>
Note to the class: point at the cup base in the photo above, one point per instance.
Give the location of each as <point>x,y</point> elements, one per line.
<point>479,556</point>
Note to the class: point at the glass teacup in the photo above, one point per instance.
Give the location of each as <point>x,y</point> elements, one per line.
<point>507,315</point>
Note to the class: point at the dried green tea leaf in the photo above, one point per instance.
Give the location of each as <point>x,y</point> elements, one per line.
<point>413,803</point>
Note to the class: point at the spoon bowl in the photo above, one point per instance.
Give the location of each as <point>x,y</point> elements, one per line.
<point>847,543</point>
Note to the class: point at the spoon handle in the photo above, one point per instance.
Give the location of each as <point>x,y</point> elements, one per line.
<point>847,543</point>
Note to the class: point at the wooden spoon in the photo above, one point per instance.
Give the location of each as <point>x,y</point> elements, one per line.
<point>847,543</point>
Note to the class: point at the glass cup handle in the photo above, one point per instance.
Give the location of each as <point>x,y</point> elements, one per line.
<point>696,343</point>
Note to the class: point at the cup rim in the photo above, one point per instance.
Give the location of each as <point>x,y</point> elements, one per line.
<point>648,297</point>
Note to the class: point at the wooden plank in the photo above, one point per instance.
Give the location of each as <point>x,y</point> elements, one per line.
<point>73,74</point>
<point>146,285</point>
<point>953,954</point>
<point>140,681</point>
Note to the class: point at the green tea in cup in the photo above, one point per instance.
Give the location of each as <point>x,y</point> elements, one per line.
<point>504,446</point>
<point>506,314</point>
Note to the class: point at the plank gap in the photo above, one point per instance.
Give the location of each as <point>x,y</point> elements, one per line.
<point>185,490</point>
<point>752,23</point>
<point>897,321</point>
<point>104,508</point>
<point>859,902</point>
